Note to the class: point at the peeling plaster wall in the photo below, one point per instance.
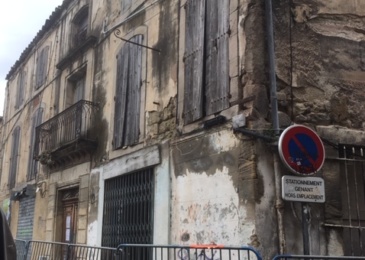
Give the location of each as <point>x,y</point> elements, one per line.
<point>210,201</point>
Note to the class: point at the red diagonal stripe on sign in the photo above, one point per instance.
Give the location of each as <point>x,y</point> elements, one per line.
<point>304,151</point>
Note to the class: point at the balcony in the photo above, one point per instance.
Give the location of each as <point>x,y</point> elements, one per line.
<point>68,138</point>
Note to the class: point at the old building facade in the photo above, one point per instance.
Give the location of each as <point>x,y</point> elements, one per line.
<point>150,122</point>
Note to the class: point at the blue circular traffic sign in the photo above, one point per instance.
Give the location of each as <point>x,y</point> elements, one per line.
<point>301,150</point>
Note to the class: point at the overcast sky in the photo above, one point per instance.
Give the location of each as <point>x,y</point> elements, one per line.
<point>20,20</point>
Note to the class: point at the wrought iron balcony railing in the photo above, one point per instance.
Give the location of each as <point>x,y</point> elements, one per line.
<point>66,133</point>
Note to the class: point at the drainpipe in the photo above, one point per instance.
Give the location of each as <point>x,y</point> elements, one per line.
<point>279,205</point>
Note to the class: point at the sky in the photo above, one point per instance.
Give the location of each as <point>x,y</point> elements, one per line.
<point>20,20</point>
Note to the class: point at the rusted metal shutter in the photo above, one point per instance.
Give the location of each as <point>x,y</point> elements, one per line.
<point>14,157</point>
<point>25,219</point>
<point>42,64</point>
<point>216,56</point>
<point>193,60</point>
<point>33,164</point>
<point>128,94</point>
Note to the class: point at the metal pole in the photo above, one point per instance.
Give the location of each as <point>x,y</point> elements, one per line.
<point>305,228</point>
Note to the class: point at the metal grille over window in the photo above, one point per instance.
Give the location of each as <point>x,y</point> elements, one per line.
<point>351,201</point>
<point>128,211</point>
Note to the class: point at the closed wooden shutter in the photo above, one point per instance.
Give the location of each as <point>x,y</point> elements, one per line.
<point>193,60</point>
<point>121,96</point>
<point>126,4</point>
<point>42,64</point>
<point>216,56</point>
<point>33,164</point>
<point>14,157</point>
<point>20,89</point>
<point>128,94</point>
<point>134,91</point>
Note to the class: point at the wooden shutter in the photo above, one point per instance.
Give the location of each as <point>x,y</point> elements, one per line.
<point>33,164</point>
<point>134,92</point>
<point>193,60</point>
<point>42,64</point>
<point>126,4</point>
<point>121,96</point>
<point>20,89</point>
<point>14,157</point>
<point>216,56</point>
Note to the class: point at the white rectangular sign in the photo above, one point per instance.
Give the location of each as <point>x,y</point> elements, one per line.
<point>304,189</point>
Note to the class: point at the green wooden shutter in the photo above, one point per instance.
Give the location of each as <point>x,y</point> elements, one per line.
<point>193,60</point>
<point>216,56</point>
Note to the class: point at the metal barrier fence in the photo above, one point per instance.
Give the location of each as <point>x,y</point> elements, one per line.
<point>40,250</point>
<point>192,252</point>
<point>285,257</point>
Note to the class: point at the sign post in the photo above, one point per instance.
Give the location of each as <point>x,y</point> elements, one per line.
<point>302,152</point>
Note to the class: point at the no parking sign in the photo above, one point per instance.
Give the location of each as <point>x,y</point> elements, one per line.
<point>301,150</point>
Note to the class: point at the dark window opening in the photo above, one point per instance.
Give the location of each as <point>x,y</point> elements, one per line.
<point>206,88</point>
<point>128,212</point>
<point>80,26</point>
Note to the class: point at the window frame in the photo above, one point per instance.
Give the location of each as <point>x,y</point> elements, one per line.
<point>80,27</point>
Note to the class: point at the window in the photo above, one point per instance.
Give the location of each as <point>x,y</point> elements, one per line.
<point>80,26</point>
<point>75,87</point>
<point>128,209</point>
<point>128,94</point>
<point>42,63</point>
<point>353,199</point>
<point>33,164</point>
<point>14,157</point>
<point>20,89</point>
<point>206,77</point>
